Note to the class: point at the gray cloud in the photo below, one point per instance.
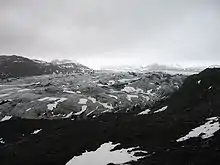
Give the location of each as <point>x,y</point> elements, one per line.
<point>138,31</point>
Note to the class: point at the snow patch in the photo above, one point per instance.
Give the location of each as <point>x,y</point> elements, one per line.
<point>161,109</point>
<point>104,155</point>
<point>101,85</point>
<point>28,109</point>
<point>48,99</point>
<point>204,131</point>
<point>2,141</point>
<point>82,101</point>
<point>92,99</point>
<point>36,131</point>
<point>159,87</point>
<point>90,113</point>
<point>6,118</point>
<point>10,89</point>
<point>84,107</point>
<point>4,95</point>
<point>68,65</point>
<point>146,97</point>
<point>128,89</point>
<point>145,112</point>
<point>106,105</point>
<point>149,91</point>
<point>111,82</point>
<point>127,80</point>
<point>69,115</point>
<point>58,115</point>
<point>65,90</point>
<point>115,97</point>
<point>54,105</point>
<point>23,90</point>
<point>199,82</point>
<point>129,97</point>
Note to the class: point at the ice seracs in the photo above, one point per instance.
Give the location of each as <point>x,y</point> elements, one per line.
<point>105,155</point>
<point>204,131</point>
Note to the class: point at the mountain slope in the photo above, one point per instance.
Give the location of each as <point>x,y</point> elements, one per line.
<point>17,66</point>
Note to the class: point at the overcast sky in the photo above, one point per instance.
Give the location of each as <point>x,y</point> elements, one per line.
<point>112,32</point>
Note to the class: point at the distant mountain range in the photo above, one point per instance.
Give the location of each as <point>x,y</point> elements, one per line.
<point>172,69</point>
<point>18,66</point>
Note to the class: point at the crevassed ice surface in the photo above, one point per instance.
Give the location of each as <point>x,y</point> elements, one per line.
<point>206,130</point>
<point>104,155</point>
